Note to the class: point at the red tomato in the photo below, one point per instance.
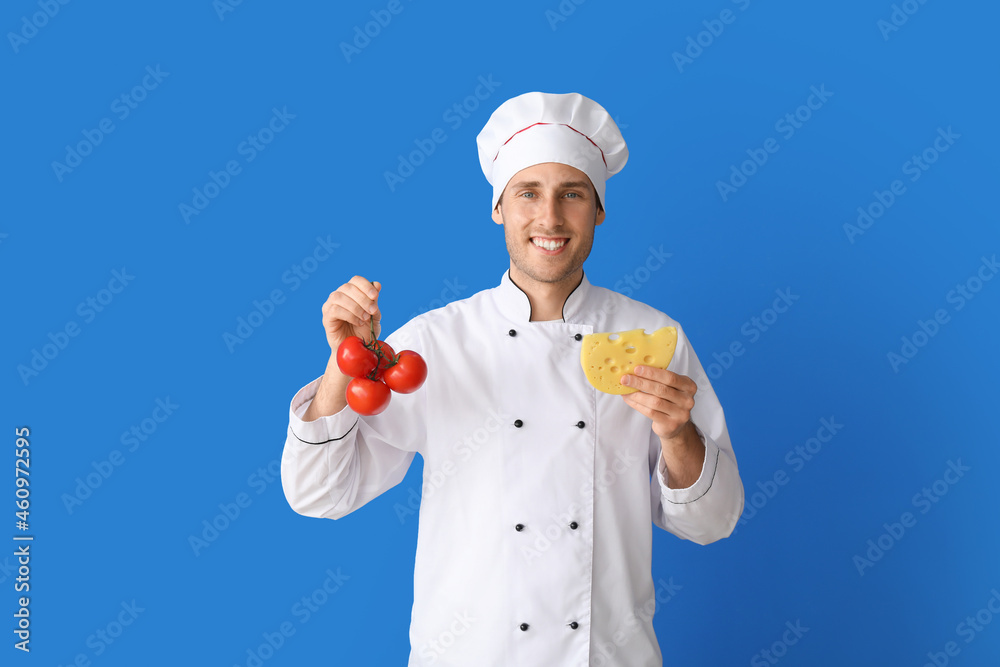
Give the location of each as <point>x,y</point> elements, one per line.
<point>407,374</point>
<point>368,397</point>
<point>386,357</point>
<point>354,359</point>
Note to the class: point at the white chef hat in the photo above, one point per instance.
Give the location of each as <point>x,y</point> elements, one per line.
<point>545,127</point>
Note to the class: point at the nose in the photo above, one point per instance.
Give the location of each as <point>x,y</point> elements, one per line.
<point>550,212</point>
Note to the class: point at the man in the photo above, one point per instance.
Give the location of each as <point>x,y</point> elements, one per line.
<point>534,541</point>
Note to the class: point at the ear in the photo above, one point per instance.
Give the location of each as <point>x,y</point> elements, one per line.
<point>497,215</point>
<point>600,217</point>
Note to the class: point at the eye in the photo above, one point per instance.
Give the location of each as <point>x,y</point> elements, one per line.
<point>525,194</point>
<point>576,195</point>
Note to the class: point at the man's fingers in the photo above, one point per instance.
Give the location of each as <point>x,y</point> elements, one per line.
<point>352,298</point>
<point>352,309</point>
<point>360,295</point>
<point>669,378</point>
<point>365,287</point>
<point>649,405</point>
<point>655,408</point>
<point>341,306</point>
<point>679,397</point>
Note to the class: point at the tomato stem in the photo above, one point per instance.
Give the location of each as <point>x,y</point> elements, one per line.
<point>377,349</point>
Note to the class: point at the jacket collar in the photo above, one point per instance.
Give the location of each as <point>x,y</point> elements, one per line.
<point>514,303</point>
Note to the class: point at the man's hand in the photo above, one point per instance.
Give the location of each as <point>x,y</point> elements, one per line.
<point>349,311</point>
<point>667,398</point>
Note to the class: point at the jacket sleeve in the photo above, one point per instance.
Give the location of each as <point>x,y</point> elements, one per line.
<point>338,463</point>
<point>707,510</point>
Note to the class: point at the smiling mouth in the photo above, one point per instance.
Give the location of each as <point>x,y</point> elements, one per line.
<point>549,244</point>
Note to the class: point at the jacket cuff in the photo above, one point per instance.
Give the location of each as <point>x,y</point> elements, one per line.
<point>704,481</point>
<point>322,430</point>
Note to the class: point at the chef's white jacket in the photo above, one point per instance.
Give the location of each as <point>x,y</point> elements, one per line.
<point>535,539</point>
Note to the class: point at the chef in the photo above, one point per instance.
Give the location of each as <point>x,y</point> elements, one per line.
<point>534,544</point>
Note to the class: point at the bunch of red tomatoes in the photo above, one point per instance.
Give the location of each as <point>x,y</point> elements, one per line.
<point>376,370</point>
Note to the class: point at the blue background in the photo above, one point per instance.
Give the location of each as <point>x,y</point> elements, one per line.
<point>429,239</point>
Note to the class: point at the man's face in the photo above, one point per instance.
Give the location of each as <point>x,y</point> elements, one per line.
<point>548,212</point>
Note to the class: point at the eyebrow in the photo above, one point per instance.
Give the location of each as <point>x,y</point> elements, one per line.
<point>564,184</point>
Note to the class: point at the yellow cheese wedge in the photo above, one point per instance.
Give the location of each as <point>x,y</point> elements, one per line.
<point>606,357</point>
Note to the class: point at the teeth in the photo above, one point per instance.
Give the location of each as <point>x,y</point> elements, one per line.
<point>549,245</point>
